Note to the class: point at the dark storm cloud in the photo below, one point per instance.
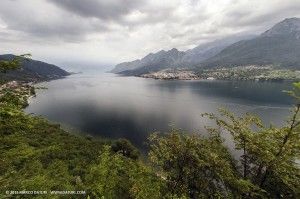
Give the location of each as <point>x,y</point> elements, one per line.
<point>74,20</point>
<point>102,9</point>
<point>67,31</point>
<point>117,11</point>
<point>46,22</point>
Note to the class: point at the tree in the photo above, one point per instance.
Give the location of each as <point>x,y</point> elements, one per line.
<point>202,167</point>
<point>124,147</point>
<point>117,176</point>
<point>196,167</point>
<point>270,155</point>
<point>15,63</point>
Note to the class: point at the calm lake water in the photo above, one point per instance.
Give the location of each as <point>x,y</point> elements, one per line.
<point>111,106</point>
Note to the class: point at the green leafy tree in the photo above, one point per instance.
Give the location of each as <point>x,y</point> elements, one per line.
<point>269,155</point>
<point>201,167</point>
<point>15,63</point>
<point>125,147</point>
<point>196,167</point>
<point>147,183</point>
<point>117,176</point>
<point>110,177</point>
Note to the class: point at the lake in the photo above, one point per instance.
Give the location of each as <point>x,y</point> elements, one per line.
<point>111,106</point>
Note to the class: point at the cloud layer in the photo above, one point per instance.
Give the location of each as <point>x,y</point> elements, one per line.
<point>119,30</point>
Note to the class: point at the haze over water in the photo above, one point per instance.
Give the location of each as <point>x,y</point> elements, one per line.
<point>112,106</point>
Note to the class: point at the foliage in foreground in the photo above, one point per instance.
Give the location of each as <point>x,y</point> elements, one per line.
<point>37,155</point>
<point>267,166</point>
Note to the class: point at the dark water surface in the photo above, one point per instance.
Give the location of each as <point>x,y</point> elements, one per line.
<point>111,106</point>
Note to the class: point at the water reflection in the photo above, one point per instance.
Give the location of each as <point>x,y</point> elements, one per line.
<point>111,106</point>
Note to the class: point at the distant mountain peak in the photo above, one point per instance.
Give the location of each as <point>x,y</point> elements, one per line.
<point>174,50</point>
<point>292,19</point>
<point>278,46</point>
<point>287,26</point>
<point>175,58</point>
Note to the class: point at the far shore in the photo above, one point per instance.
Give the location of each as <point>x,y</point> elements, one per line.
<point>247,73</point>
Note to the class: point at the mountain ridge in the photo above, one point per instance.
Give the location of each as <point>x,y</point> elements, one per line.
<point>278,46</point>
<point>152,61</point>
<point>33,70</point>
<point>184,59</point>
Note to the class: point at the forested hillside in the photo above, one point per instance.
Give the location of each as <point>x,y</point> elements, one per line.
<point>32,70</point>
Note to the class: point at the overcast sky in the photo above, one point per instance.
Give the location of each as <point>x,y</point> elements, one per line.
<point>111,31</point>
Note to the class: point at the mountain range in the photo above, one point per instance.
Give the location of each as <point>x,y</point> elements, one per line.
<point>152,62</point>
<point>278,46</point>
<point>32,70</point>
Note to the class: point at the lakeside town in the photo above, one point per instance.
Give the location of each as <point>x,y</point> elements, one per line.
<point>252,73</point>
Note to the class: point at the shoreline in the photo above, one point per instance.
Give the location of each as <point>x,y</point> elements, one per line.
<point>207,79</point>
<point>249,73</point>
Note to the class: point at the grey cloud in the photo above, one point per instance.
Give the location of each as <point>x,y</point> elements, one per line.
<point>243,17</point>
<point>67,31</point>
<point>135,26</point>
<point>102,9</point>
<point>116,11</point>
<point>6,37</point>
<point>74,20</point>
<point>55,26</point>
<point>60,31</point>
